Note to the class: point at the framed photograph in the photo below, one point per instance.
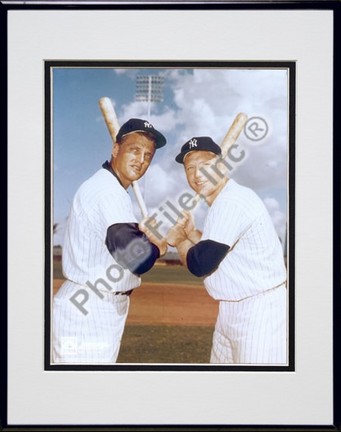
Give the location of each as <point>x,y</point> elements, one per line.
<point>159,329</point>
<point>170,215</point>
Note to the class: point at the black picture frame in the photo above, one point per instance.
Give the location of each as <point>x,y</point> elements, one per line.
<point>262,6</point>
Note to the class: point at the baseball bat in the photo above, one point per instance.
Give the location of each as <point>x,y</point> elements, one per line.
<point>113,126</point>
<point>229,139</point>
<point>233,133</point>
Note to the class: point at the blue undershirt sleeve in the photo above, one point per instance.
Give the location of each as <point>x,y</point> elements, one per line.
<point>204,257</point>
<point>131,248</point>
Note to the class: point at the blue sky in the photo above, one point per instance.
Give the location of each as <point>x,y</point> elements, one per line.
<point>196,102</point>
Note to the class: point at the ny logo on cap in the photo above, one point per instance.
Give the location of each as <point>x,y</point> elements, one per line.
<point>193,143</point>
<point>147,125</point>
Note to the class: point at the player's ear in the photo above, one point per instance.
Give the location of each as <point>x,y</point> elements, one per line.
<point>115,150</point>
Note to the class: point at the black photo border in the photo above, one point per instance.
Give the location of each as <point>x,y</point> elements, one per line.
<point>291,68</point>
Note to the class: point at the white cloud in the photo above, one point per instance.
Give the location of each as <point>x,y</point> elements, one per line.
<point>271,204</point>
<point>159,186</point>
<point>278,217</point>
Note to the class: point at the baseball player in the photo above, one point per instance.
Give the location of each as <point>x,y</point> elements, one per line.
<point>240,257</point>
<point>105,251</point>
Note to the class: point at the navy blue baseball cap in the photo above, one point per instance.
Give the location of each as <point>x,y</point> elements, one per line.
<point>203,143</point>
<point>139,125</point>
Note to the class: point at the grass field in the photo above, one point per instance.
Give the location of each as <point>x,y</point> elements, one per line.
<point>165,344</point>
<point>160,273</point>
<point>171,318</point>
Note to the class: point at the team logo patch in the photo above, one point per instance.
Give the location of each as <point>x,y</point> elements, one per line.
<point>193,143</point>
<point>147,125</point>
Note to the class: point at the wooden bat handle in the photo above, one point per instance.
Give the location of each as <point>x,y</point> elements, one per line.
<point>109,117</point>
<point>139,199</point>
<point>233,133</point>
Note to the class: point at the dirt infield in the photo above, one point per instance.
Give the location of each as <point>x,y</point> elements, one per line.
<point>169,304</point>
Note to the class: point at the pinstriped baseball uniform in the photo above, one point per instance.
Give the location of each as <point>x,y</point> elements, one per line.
<point>249,282</point>
<point>92,273</point>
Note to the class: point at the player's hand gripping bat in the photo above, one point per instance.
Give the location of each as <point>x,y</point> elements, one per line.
<point>113,126</point>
